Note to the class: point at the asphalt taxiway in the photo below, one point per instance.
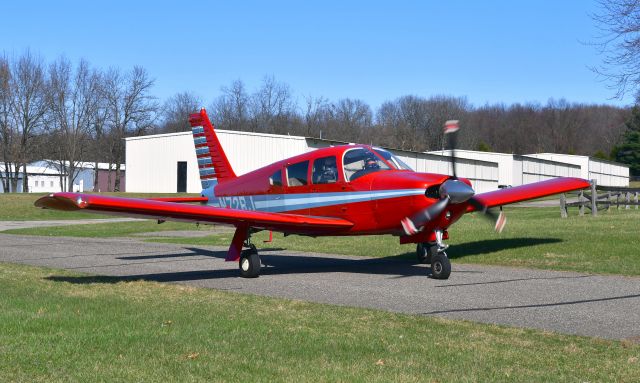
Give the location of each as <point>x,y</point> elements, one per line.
<point>565,302</point>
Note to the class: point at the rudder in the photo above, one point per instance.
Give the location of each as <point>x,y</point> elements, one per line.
<point>212,161</point>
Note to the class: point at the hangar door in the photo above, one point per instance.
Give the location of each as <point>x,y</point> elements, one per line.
<point>182,177</point>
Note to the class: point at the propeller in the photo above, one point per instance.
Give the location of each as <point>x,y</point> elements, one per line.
<point>451,191</point>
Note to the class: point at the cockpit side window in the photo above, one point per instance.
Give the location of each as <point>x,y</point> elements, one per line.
<point>297,173</point>
<point>361,161</point>
<point>325,170</point>
<point>276,179</point>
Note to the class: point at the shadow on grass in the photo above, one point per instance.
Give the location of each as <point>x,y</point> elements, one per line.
<point>397,266</point>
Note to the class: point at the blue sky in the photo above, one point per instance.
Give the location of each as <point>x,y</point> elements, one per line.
<point>489,51</point>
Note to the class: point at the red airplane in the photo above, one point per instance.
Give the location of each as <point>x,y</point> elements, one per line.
<point>336,191</point>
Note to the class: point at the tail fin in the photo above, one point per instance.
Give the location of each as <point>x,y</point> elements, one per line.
<point>212,161</point>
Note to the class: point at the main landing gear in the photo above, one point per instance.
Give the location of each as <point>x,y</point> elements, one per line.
<point>433,253</point>
<point>249,262</point>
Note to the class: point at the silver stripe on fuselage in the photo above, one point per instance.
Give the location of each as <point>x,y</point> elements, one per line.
<point>287,202</point>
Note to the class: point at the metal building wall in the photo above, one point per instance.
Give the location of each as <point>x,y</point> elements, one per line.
<point>152,163</point>
<point>482,174</point>
<point>528,169</point>
<point>152,160</point>
<point>504,161</point>
<point>606,173</point>
<point>249,151</point>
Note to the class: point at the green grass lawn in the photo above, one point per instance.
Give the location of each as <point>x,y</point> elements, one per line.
<point>533,237</point>
<point>53,328</point>
<point>19,207</point>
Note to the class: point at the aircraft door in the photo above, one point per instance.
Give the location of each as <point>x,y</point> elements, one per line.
<point>298,196</point>
<point>327,185</point>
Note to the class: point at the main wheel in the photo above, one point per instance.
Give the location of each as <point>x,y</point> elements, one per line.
<point>440,266</point>
<point>249,264</point>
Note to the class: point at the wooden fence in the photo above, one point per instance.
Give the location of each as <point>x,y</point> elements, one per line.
<point>599,198</point>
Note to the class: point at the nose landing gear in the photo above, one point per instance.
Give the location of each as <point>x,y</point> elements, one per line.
<point>433,253</point>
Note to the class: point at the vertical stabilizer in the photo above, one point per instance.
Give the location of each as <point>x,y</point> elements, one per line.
<point>212,161</point>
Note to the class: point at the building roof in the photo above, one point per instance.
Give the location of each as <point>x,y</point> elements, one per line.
<point>52,164</point>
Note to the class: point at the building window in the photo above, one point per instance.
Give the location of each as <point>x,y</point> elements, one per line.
<point>51,183</point>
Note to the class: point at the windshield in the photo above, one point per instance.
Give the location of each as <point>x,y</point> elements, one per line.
<point>393,160</point>
<point>360,161</point>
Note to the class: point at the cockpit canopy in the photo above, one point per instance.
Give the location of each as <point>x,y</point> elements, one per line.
<point>392,159</point>
<point>358,162</point>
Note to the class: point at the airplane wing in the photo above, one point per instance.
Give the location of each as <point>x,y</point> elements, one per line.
<point>179,199</point>
<point>172,211</point>
<point>530,191</point>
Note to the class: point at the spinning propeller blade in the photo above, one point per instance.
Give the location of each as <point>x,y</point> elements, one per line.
<point>499,219</point>
<point>451,128</point>
<point>451,191</point>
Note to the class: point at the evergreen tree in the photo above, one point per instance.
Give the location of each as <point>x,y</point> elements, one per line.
<point>629,151</point>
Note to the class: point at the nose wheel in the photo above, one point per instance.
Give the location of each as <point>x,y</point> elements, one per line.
<point>440,266</point>
<point>249,263</point>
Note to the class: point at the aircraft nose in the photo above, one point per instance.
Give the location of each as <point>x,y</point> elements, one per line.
<point>456,190</point>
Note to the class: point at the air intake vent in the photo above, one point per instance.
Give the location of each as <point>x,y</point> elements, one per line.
<point>433,192</point>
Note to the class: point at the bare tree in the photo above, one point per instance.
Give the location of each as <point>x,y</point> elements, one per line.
<point>131,110</point>
<point>350,120</point>
<point>28,100</point>
<point>231,109</point>
<point>7,129</point>
<point>272,107</point>
<point>100,144</point>
<point>317,112</point>
<point>416,122</point>
<point>176,110</point>
<point>619,21</point>
<point>73,102</point>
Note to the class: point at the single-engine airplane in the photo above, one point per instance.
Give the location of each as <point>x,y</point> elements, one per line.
<point>336,191</point>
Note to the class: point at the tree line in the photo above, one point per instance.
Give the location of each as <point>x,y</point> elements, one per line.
<point>69,114</point>
<point>73,112</point>
<point>410,122</point>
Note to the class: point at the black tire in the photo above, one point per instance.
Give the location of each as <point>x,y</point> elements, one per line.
<point>249,264</point>
<point>440,266</point>
<point>424,252</point>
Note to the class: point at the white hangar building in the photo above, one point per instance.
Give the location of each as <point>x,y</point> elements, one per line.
<point>166,163</point>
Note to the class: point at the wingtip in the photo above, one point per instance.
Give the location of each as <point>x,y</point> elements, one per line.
<point>60,201</point>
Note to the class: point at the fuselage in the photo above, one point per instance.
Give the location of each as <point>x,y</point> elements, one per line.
<point>375,198</point>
